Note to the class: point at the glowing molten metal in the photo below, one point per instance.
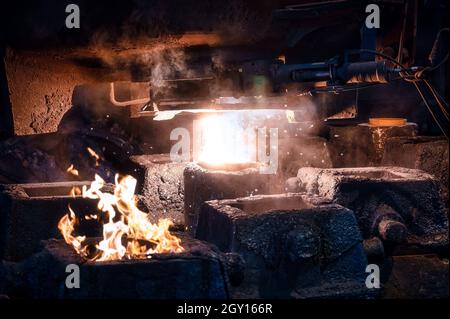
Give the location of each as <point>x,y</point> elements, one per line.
<point>127,234</point>
<point>223,140</point>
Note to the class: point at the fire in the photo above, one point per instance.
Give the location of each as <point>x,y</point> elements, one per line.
<point>72,170</point>
<point>75,191</point>
<point>224,141</point>
<point>95,155</point>
<point>67,225</point>
<point>127,233</point>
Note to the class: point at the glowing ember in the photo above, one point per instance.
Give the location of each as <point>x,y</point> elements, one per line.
<point>125,223</point>
<point>223,140</point>
<point>387,121</point>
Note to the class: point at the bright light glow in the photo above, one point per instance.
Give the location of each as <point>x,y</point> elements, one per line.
<point>224,139</point>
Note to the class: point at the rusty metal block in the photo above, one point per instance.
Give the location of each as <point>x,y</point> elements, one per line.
<point>363,145</point>
<point>196,273</point>
<point>289,242</point>
<point>202,184</point>
<point>160,186</point>
<point>426,153</point>
<point>30,213</point>
<point>400,205</point>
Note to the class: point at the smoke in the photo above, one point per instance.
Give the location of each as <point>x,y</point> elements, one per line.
<point>166,65</point>
<point>151,27</point>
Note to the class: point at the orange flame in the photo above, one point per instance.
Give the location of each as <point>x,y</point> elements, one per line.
<point>72,170</point>
<point>75,191</point>
<point>95,155</point>
<point>125,221</point>
<point>67,225</point>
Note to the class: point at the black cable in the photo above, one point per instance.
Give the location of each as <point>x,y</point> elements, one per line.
<point>437,94</point>
<point>437,66</point>
<point>351,88</point>
<point>420,74</point>
<point>422,95</point>
<point>429,109</point>
<point>346,89</point>
<point>442,104</point>
<point>439,100</point>
<point>387,57</point>
<point>435,48</point>
<point>414,81</point>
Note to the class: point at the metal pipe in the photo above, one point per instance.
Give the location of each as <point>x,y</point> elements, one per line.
<point>112,99</point>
